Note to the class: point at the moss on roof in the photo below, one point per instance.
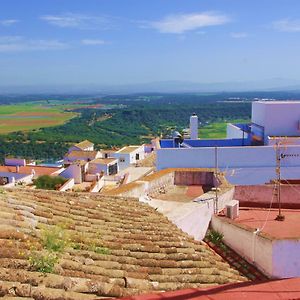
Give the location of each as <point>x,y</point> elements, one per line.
<point>114,247</point>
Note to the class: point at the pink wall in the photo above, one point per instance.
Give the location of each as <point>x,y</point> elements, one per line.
<point>261,195</point>
<point>194,178</point>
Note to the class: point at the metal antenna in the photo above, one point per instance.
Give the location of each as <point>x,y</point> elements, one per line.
<point>277,191</point>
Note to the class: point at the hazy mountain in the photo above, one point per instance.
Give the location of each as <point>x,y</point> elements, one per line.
<point>163,87</point>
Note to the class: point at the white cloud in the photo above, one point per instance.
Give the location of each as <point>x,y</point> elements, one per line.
<point>79,21</point>
<point>93,42</point>
<point>238,35</point>
<point>181,23</point>
<point>19,44</point>
<point>287,25</point>
<point>8,22</point>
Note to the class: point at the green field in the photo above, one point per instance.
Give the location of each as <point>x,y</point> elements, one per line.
<point>217,130</point>
<point>29,116</point>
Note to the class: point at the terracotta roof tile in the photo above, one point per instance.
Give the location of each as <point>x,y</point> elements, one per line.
<point>84,144</point>
<point>39,170</point>
<point>80,154</point>
<point>118,247</point>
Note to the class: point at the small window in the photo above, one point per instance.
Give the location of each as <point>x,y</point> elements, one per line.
<point>122,159</point>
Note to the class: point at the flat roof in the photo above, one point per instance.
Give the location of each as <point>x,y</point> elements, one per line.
<point>272,102</point>
<point>268,290</point>
<point>253,218</point>
<point>128,149</point>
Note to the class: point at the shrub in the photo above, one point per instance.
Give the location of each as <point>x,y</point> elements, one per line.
<point>47,182</point>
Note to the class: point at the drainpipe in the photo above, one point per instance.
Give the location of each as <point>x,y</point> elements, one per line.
<point>257,230</point>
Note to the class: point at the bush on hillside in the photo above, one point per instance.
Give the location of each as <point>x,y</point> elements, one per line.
<point>47,182</point>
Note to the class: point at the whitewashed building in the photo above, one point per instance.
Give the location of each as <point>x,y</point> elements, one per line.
<point>248,154</point>
<point>129,155</point>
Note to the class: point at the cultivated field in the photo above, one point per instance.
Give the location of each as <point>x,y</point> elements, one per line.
<point>29,116</point>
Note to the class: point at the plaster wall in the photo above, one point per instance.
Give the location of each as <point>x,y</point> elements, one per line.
<point>67,186</point>
<point>254,248</point>
<point>234,132</point>
<point>16,176</point>
<point>258,113</point>
<point>97,186</point>
<point>261,195</point>
<point>286,259</point>
<point>228,157</point>
<point>15,162</point>
<point>95,168</point>
<point>194,178</point>
<point>73,171</point>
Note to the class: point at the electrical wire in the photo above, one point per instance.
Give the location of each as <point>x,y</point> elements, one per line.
<point>269,210</point>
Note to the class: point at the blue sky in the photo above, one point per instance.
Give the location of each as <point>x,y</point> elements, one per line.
<point>70,42</point>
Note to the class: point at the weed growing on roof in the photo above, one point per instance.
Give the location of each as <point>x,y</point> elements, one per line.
<point>43,261</point>
<point>2,191</point>
<point>99,250</point>
<point>215,237</point>
<point>54,238</point>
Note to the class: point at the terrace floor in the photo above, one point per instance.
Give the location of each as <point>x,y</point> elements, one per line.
<point>269,290</point>
<point>181,193</point>
<point>263,218</point>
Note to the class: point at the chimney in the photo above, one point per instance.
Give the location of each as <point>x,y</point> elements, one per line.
<point>17,169</point>
<point>194,127</point>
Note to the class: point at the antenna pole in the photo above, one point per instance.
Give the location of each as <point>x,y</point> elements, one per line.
<point>217,178</point>
<point>280,216</point>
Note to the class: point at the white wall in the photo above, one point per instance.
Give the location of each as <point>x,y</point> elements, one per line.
<point>15,162</point>
<point>228,157</point>
<point>234,132</point>
<point>17,177</point>
<point>73,171</point>
<point>130,158</point>
<point>286,258</point>
<point>95,168</point>
<point>122,156</point>
<point>254,248</point>
<point>67,186</point>
<point>258,113</point>
<point>278,118</point>
<point>276,258</point>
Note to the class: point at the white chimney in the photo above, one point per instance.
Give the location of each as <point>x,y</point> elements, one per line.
<point>194,127</point>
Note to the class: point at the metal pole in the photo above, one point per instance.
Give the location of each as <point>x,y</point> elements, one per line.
<point>279,217</point>
<point>217,181</point>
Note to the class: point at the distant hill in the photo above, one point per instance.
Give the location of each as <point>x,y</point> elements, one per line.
<point>172,86</point>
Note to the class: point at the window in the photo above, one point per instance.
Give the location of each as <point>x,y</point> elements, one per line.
<point>122,159</point>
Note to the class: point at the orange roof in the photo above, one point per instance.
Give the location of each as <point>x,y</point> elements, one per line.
<point>272,289</point>
<point>39,170</point>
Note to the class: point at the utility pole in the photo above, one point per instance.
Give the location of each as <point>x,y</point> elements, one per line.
<point>217,179</point>
<point>277,191</point>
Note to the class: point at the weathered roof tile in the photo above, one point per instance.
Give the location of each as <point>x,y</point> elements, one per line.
<point>118,247</point>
